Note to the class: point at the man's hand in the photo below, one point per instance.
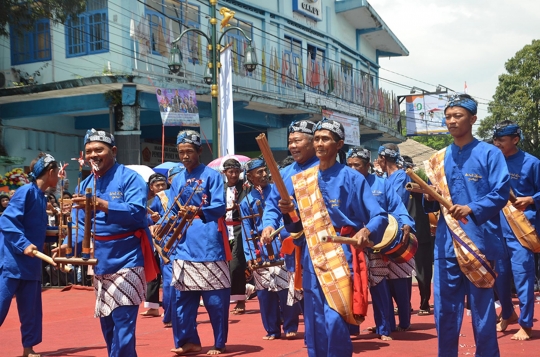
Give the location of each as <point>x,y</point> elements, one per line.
<point>56,251</point>
<point>266,235</point>
<point>406,230</point>
<point>29,250</point>
<point>458,211</point>
<point>155,217</point>
<point>362,237</point>
<point>429,197</point>
<point>286,206</point>
<point>522,202</point>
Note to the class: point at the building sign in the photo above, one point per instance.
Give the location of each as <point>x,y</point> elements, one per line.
<point>350,124</point>
<point>178,107</point>
<point>425,114</point>
<point>309,8</point>
<point>151,154</point>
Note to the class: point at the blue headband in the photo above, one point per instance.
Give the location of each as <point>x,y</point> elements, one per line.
<point>174,170</point>
<point>331,125</point>
<point>508,129</point>
<point>359,153</point>
<point>40,166</point>
<point>254,164</point>
<point>99,135</point>
<point>302,126</point>
<point>459,101</point>
<point>188,137</point>
<point>384,151</point>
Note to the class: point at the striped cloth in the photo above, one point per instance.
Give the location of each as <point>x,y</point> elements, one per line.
<point>272,278</point>
<point>329,261</point>
<point>197,276</point>
<point>472,261</point>
<point>401,270</point>
<point>377,267</point>
<point>124,288</point>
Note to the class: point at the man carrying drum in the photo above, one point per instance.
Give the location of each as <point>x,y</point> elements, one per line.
<point>525,181</point>
<point>388,199</point>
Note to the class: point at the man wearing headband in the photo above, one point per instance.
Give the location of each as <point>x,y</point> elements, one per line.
<point>234,194</point>
<point>22,230</point>
<point>334,195</point>
<point>159,207</point>
<point>203,253</point>
<point>156,184</point>
<point>122,241</point>
<point>400,277</point>
<point>525,181</point>
<point>379,270</point>
<point>272,283</point>
<point>472,175</point>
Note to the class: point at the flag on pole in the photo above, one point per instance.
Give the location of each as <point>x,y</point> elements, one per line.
<point>309,69</point>
<point>263,69</point>
<point>276,66</point>
<point>316,77</point>
<point>226,113</point>
<point>300,71</point>
<point>284,69</point>
<point>330,79</point>
<point>465,89</point>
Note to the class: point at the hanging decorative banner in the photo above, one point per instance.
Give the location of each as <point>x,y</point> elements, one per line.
<point>425,114</point>
<point>350,124</point>
<point>178,107</point>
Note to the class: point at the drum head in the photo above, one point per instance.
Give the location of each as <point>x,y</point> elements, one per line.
<point>389,234</point>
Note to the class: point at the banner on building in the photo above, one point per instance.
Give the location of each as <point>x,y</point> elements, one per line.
<point>350,124</point>
<point>425,114</point>
<point>151,154</point>
<point>178,107</point>
<point>226,113</point>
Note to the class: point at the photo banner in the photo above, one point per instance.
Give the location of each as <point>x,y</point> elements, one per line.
<point>350,124</point>
<point>178,107</point>
<point>425,114</point>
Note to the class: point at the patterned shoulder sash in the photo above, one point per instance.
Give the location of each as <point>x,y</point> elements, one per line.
<point>328,259</point>
<point>164,200</point>
<point>472,261</point>
<point>522,228</point>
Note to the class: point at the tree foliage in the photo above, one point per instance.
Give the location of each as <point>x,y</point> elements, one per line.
<point>517,98</point>
<point>436,142</point>
<point>24,13</point>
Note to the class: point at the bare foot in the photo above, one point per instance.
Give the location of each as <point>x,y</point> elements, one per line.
<point>151,313</point>
<point>385,338</point>
<point>216,351</point>
<point>290,335</point>
<point>269,337</point>
<point>240,308</point>
<point>187,348</point>
<point>29,352</point>
<point>402,329</point>
<point>503,324</point>
<point>523,334</point>
<point>167,324</point>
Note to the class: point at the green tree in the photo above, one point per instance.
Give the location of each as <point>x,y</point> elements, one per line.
<point>517,98</point>
<point>436,142</point>
<point>26,12</point>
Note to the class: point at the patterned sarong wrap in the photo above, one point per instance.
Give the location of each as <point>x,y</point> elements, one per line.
<point>126,287</point>
<point>472,261</point>
<point>329,261</point>
<point>522,228</point>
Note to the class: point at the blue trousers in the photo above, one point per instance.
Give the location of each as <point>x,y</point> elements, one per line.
<point>327,333</point>
<point>168,291</point>
<point>383,311</point>
<point>184,322</point>
<point>28,296</point>
<point>400,290</point>
<point>119,331</point>
<point>450,287</point>
<point>273,305</point>
<point>521,267</point>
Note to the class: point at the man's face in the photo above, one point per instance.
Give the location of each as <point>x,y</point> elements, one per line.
<point>258,177</point>
<point>189,155</point>
<point>232,176</point>
<point>301,147</point>
<point>325,146</point>
<point>507,144</point>
<point>4,201</point>
<point>102,154</point>
<point>381,162</point>
<point>158,186</point>
<point>459,121</point>
<point>359,165</point>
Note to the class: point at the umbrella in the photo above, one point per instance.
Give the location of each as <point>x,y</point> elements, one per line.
<point>142,170</point>
<point>164,167</point>
<point>217,164</point>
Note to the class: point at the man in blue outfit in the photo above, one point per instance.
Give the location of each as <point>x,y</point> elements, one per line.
<point>351,210</point>
<point>22,230</point>
<point>472,176</point>
<point>525,181</point>
<point>200,266</point>
<point>122,243</point>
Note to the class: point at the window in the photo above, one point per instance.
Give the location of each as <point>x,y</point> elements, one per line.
<point>239,44</point>
<point>32,45</point>
<point>88,33</point>
<point>293,58</point>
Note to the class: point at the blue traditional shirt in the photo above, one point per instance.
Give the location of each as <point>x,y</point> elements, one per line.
<point>23,222</point>
<point>398,180</point>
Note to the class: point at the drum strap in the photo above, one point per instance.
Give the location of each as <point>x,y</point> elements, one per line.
<point>329,261</point>
<point>472,261</point>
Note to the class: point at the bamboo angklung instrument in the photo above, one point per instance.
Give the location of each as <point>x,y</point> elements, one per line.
<point>276,176</point>
<point>63,268</point>
<point>430,191</point>
<point>414,187</point>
